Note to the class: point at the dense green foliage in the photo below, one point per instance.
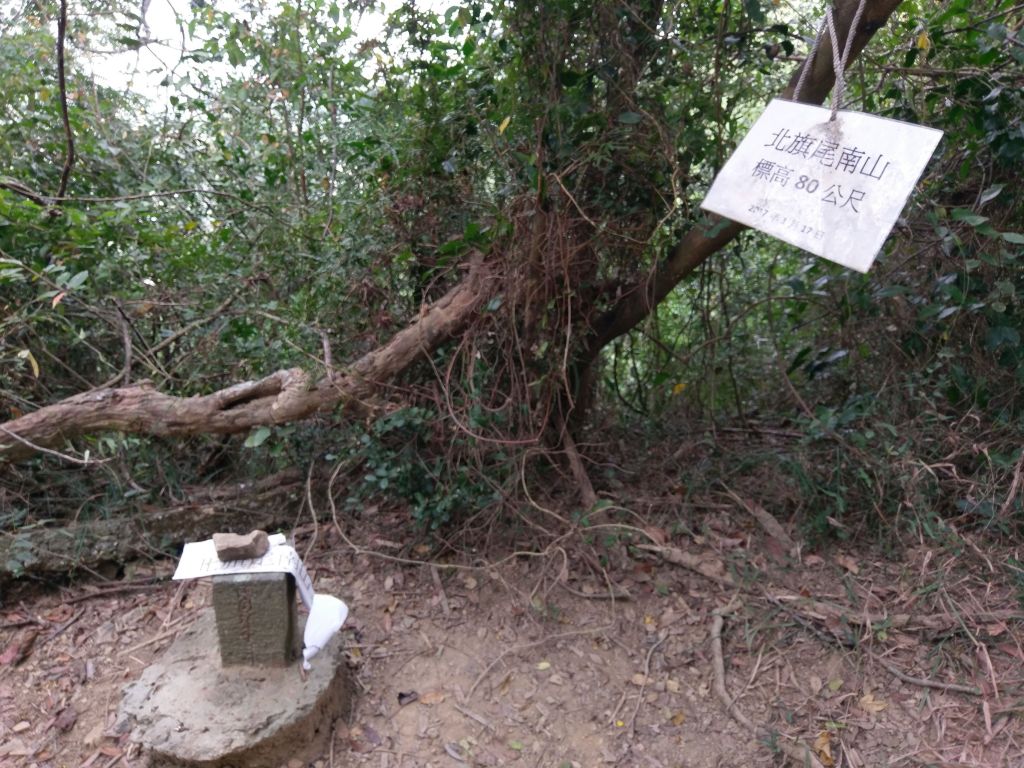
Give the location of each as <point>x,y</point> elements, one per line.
<point>305,189</point>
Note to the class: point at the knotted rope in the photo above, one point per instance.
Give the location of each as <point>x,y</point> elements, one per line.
<point>838,61</point>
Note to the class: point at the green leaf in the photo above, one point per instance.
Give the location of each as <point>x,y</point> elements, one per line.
<point>630,118</point>
<point>1013,237</point>
<point>991,193</point>
<point>235,55</point>
<point>754,11</point>
<point>964,215</point>
<point>257,437</point>
<point>334,12</point>
<point>1000,335</point>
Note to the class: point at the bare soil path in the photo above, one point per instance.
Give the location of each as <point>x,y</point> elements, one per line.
<point>603,647</point>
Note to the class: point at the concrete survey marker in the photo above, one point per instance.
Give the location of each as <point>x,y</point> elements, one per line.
<point>257,623</point>
<point>249,705</point>
<point>189,711</point>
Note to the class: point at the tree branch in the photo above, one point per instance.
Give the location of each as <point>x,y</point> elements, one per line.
<point>700,243</point>
<point>289,395</point>
<point>283,396</point>
<point>69,138</point>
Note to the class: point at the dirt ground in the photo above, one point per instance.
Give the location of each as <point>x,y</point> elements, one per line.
<point>619,644</point>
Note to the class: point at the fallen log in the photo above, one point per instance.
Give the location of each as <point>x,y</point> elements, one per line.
<point>53,551</point>
<point>283,396</point>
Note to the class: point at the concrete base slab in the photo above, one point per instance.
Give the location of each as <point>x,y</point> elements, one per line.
<point>190,712</point>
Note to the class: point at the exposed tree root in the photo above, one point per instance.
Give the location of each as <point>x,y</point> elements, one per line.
<point>799,753</point>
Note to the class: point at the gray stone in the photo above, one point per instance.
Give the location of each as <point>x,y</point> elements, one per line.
<point>189,712</point>
<point>257,622</point>
<point>235,546</point>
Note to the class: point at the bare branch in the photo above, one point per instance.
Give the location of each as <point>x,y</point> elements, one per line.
<point>69,138</point>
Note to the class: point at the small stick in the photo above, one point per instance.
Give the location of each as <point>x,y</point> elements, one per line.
<point>440,590</point>
<point>60,630</point>
<point>156,638</point>
<point>801,754</point>
<point>925,683</point>
<point>643,685</point>
<point>474,716</point>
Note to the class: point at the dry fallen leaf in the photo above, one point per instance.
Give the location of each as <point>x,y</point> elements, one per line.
<point>544,665</point>
<point>65,720</point>
<point>15,748</point>
<point>848,563</point>
<point>870,704</point>
<point>18,649</point>
<point>995,630</point>
<point>814,683</point>
<point>432,697</point>
<point>656,534</point>
<point>823,748</point>
<point>812,560</point>
<point>638,679</point>
<point>678,718</point>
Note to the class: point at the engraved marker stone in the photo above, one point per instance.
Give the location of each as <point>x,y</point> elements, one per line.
<point>251,709</point>
<point>257,622</point>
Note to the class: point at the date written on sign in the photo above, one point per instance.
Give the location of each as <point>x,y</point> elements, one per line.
<point>831,187</point>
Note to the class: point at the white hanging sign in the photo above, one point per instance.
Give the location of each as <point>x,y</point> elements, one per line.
<point>326,613</point>
<point>831,187</point>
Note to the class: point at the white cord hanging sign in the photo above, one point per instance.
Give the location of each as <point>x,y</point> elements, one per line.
<point>827,181</point>
<point>834,187</point>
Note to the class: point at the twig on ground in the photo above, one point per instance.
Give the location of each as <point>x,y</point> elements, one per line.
<point>520,648</point>
<point>764,518</point>
<point>174,629</point>
<point>440,591</point>
<point>63,627</point>
<point>801,754</point>
<point>692,562</point>
<point>474,716</point>
<point>609,595</point>
<point>140,585</point>
<point>924,682</point>
<point>643,685</point>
